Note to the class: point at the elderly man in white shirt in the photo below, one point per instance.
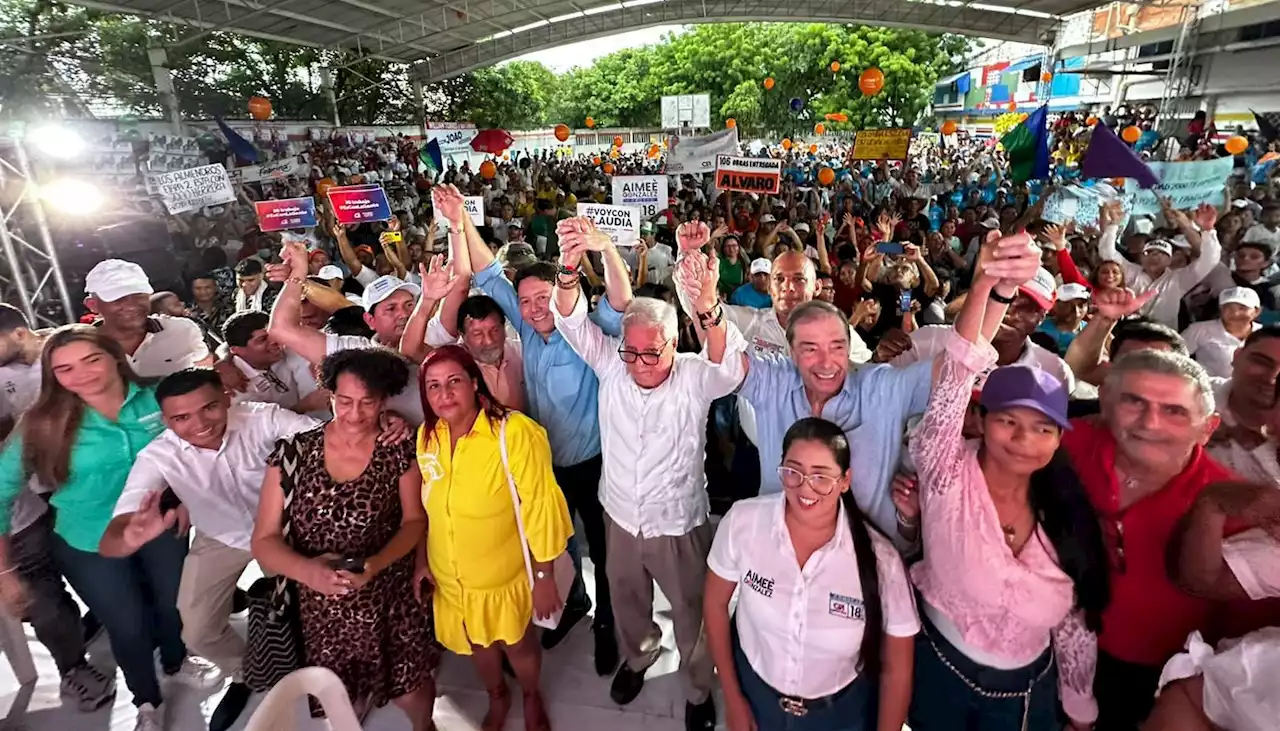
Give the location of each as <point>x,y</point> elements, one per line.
<point>212,457</point>
<point>653,414</point>
<point>1155,272</point>
<point>1214,342</point>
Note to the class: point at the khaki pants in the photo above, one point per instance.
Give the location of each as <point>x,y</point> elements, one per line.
<point>209,578</point>
<point>679,565</point>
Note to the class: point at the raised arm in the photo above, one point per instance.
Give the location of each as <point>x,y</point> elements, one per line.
<point>1206,250</point>
<point>286,326</point>
<point>345,251</point>
<point>448,203</point>
<point>439,282</point>
<point>927,276</point>
<point>1110,306</point>
<point>570,306</point>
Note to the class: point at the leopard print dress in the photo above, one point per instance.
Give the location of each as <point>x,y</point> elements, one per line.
<point>379,639</point>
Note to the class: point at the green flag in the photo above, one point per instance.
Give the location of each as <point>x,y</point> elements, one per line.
<point>1027,147</point>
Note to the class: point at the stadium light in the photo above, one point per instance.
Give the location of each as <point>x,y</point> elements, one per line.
<point>57,141</point>
<point>72,196</point>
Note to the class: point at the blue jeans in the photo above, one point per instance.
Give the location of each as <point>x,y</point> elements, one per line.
<point>852,708</point>
<point>136,598</point>
<point>941,701</point>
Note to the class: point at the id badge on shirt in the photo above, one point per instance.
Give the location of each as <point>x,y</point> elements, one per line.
<point>839,605</point>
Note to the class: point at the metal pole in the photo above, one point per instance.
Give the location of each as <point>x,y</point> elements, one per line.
<point>420,107</point>
<point>326,82</point>
<point>42,226</point>
<point>16,274</point>
<point>164,86</point>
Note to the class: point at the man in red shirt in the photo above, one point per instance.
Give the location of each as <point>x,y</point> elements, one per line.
<point>1143,464</point>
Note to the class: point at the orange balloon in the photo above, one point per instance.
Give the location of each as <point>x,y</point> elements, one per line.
<point>835,67</point>
<point>1091,121</point>
<point>617,141</point>
<point>842,117</point>
<point>562,132</point>
<point>1131,134</point>
<point>813,149</point>
<point>259,108</point>
<point>654,151</point>
<point>324,184</point>
<point>730,123</point>
<point>786,143</point>
<point>819,128</point>
<point>768,83</point>
<point>608,168</point>
<point>1046,77</point>
<point>505,156</point>
<point>871,81</point>
<point>488,170</point>
<point>595,160</point>
<point>949,127</point>
<point>826,176</point>
<point>1013,106</point>
<point>1237,145</point>
<point>591,122</point>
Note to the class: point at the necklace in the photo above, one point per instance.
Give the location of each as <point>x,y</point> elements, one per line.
<point>1010,533</point>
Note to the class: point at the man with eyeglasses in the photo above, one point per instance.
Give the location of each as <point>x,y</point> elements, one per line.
<point>653,415</point>
<point>272,374</point>
<point>1143,464</point>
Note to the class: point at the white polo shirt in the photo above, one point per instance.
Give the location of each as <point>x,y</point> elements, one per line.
<point>170,345</point>
<point>286,382</point>
<point>219,487</point>
<point>1212,346</point>
<point>801,629</point>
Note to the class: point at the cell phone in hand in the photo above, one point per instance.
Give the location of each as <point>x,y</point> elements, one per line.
<point>892,248</point>
<point>348,564</point>
<point>169,500</point>
<point>395,236</point>
<point>904,302</point>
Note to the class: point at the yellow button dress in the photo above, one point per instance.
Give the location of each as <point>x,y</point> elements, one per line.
<point>482,592</point>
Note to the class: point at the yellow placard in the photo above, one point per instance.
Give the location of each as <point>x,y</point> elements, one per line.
<point>881,144</point>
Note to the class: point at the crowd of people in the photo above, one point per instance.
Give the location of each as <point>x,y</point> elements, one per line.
<point>975,469</point>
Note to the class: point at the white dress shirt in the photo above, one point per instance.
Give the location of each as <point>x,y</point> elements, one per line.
<point>219,487</point>
<point>801,628</point>
<point>286,382</point>
<point>653,440</point>
<point>1171,286</point>
<point>170,345</point>
<point>1212,346</point>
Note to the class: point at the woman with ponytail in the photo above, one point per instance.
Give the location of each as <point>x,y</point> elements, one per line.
<point>1014,576</point>
<point>822,636</point>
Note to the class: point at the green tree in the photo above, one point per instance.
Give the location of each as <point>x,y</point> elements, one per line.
<point>515,95</point>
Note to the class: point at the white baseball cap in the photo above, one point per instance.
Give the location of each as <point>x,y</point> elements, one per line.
<point>385,286</point>
<point>761,266</point>
<point>1164,246</point>
<point>1240,296</point>
<point>767,218</point>
<point>330,271</point>
<point>991,222</point>
<point>1072,291</point>
<point>801,227</point>
<point>1042,288</point>
<point>1257,234</point>
<point>113,279</point>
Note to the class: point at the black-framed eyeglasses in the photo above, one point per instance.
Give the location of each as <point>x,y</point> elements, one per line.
<point>271,380</point>
<point>646,357</point>
<point>793,479</point>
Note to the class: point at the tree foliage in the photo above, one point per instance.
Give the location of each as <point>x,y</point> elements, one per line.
<point>81,62</point>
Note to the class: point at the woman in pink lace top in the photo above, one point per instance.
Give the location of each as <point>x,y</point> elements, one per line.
<point>1014,576</point>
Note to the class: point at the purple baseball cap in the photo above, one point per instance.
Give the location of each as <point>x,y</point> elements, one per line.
<point>1021,385</point>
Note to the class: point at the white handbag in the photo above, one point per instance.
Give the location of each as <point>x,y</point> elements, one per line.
<point>562,566</point>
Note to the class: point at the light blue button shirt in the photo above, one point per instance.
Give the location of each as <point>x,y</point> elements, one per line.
<point>872,409</point>
<point>563,391</point>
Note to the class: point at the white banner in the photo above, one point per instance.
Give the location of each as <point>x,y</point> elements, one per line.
<point>646,192</point>
<point>698,154</point>
<point>474,206</point>
<point>276,170</point>
<point>452,141</point>
<point>187,190</point>
<point>622,223</point>
<point>748,174</point>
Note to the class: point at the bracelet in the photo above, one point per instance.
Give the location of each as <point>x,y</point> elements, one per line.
<point>712,318</point>
<point>567,284</point>
<point>907,522</point>
<point>296,280</point>
<point>1000,298</point>
<point>9,570</point>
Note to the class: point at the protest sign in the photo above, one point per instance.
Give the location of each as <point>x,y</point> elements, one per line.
<point>622,223</point>
<point>284,214</point>
<point>1059,207</point>
<point>277,170</point>
<point>881,144</point>
<point>187,190</point>
<point>698,154</point>
<point>1186,184</point>
<point>359,204</point>
<point>454,138</point>
<point>748,174</point>
<point>474,206</point>
<point>646,192</point>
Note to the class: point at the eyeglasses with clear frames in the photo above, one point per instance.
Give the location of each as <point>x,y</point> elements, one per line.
<point>792,479</point>
<point>631,356</point>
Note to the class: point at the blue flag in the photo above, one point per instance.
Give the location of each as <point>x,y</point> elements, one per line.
<point>1027,147</point>
<point>239,146</point>
<point>431,158</point>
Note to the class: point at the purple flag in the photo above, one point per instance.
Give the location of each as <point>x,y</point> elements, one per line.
<point>1109,157</point>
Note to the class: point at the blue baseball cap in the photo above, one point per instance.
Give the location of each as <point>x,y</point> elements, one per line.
<point>1025,386</point>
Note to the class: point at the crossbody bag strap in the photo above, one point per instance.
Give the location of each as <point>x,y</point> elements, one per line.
<point>515,499</point>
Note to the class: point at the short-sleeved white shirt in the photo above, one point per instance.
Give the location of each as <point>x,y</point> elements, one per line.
<point>219,487</point>
<point>408,403</point>
<point>801,629</point>
<point>1212,346</point>
<point>285,383</point>
<point>1254,557</point>
<point>170,345</point>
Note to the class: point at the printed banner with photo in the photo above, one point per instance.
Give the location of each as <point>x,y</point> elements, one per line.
<point>1186,184</point>
<point>698,154</point>
<point>622,223</point>
<point>881,144</point>
<point>285,214</point>
<point>359,204</point>
<point>188,190</point>
<point>646,192</point>
<point>748,174</point>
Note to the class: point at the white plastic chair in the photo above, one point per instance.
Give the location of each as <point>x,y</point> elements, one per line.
<point>13,642</point>
<point>276,712</point>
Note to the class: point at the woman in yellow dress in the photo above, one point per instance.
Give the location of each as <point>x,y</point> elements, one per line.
<point>483,603</point>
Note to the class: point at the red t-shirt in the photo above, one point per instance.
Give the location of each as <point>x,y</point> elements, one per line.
<point>1149,618</point>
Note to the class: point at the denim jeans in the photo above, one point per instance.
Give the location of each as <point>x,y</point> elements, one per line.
<point>136,598</point>
<point>852,708</point>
